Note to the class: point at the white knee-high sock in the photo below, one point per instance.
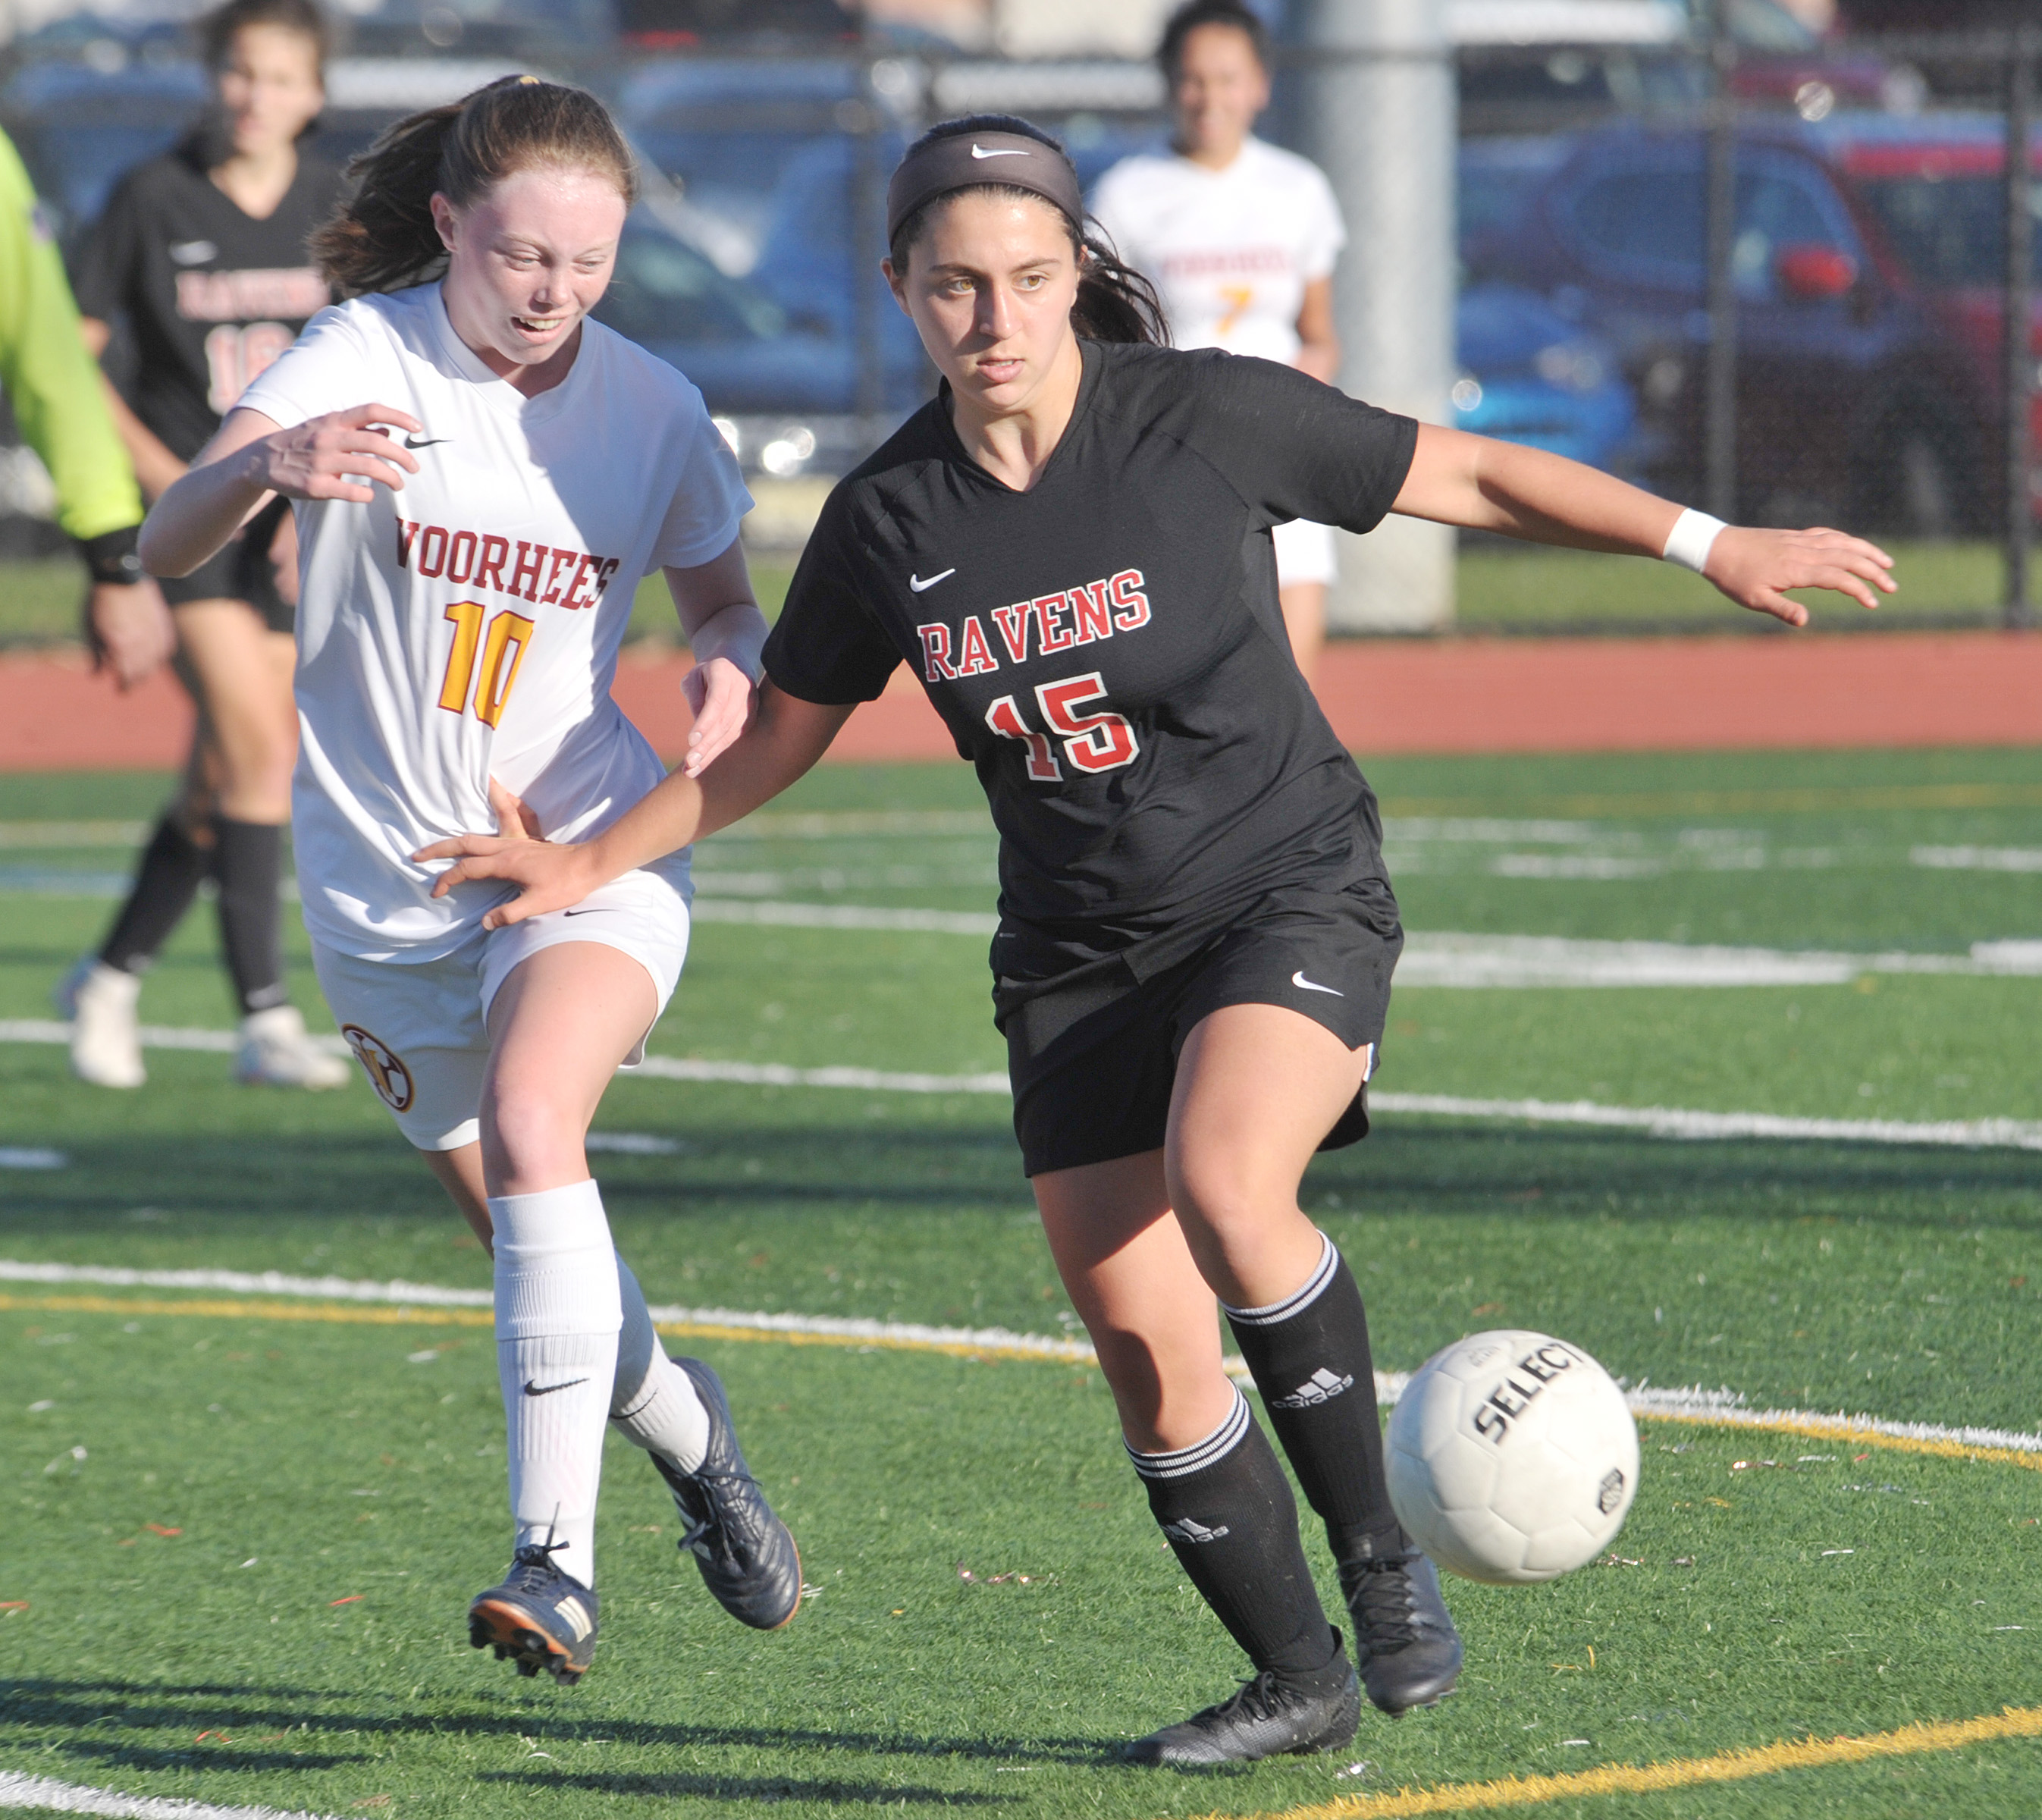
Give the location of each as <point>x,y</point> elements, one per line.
<point>655,1406</point>
<point>557,1315</point>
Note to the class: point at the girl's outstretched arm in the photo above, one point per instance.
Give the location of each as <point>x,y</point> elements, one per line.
<point>1483,485</point>
<point>785,737</point>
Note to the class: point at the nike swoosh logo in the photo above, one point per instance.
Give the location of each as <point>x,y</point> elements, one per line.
<point>548,1389</point>
<point>922,586</point>
<point>1298,980</point>
<point>594,910</point>
<point>978,151</point>
<point>426,442</point>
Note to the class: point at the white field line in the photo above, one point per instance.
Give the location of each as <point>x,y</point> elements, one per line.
<point>707,909</point>
<point>1655,1121</point>
<point>1725,1407</point>
<point>45,1796</point>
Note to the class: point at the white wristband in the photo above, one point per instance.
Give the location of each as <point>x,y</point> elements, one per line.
<point>1693,536</point>
<point>742,643</point>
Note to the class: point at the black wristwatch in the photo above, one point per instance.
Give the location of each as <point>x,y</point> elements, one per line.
<point>111,557</point>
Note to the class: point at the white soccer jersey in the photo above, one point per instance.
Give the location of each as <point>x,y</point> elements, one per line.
<point>1231,251</point>
<point>467,627</point>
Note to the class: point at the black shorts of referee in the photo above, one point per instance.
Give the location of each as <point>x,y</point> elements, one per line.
<point>1092,1038</point>
<point>241,570</point>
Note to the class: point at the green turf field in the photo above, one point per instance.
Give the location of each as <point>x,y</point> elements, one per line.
<point>270,1652</point>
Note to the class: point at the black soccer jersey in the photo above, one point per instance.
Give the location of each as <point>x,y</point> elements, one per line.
<point>1107,649</point>
<point>212,295</point>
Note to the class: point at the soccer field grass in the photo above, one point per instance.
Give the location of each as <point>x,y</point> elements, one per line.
<point>331,1473</point>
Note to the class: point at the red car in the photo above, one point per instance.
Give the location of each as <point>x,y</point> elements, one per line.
<point>1933,186</point>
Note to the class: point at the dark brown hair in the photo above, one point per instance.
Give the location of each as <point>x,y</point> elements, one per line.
<point>219,28</point>
<point>1194,13</point>
<point>383,239</point>
<point>1114,302</point>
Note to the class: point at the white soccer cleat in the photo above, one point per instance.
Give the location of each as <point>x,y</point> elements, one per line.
<point>277,1051</point>
<point>106,1046</point>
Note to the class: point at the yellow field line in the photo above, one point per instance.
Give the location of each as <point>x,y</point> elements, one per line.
<point>1655,1778</point>
<point>350,1315</point>
<point>1827,1428</point>
<point>1738,802</point>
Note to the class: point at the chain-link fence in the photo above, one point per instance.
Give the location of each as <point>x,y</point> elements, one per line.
<point>1775,281</point>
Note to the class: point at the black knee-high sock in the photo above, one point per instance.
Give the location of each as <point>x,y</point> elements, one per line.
<point>173,867</point>
<point>1226,1509</point>
<point>1310,1358</point>
<point>246,862</point>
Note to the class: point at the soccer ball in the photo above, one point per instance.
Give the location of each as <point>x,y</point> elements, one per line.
<point>1512,1458</point>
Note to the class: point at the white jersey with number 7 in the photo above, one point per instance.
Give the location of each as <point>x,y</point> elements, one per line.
<point>467,627</point>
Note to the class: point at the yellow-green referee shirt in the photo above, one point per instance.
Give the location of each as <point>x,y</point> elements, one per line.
<point>51,380</point>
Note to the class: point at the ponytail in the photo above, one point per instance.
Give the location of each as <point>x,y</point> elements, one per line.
<point>1114,302</point>
<point>384,238</point>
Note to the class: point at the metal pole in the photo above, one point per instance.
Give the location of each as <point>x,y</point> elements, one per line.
<point>1719,415</point>
<point>868,228</point>
<point>1378,114</point>
<point>2017,303</point>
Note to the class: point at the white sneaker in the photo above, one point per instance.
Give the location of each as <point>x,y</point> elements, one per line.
<point>106,1046</point>
<point>276,1052</point>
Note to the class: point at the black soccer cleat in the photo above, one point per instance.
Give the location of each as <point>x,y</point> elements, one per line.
<point>746,1558</point>
<point>540,1617</point>
<point>1267,1717</point>
<point>1405,1642</point>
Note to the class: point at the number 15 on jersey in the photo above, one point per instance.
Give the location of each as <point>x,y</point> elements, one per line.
<point>1101,741</point>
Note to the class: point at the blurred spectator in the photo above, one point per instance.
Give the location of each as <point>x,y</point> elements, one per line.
<point>51,382</point>
<point>1239,239</point>
<point>200,257</point>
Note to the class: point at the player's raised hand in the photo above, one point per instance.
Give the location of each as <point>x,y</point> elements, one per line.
<point>721,697</point>
<point>335,457</point>
<point>1756,568</point>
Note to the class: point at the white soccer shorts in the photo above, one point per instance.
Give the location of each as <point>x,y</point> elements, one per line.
<point>420,1029</point>
<point>1304,553</point>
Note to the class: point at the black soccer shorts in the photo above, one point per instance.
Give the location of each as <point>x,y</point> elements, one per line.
<point>240,569</point>
<point>1092,1049</point>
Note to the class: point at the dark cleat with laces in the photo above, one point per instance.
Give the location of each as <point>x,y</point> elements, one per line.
<point>1270,1716</point>
<point>748,1559</point>
<point>540,1618</point>
<point>1405,1642</point>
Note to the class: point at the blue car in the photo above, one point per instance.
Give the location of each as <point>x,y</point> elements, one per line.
<point>1528,375</point>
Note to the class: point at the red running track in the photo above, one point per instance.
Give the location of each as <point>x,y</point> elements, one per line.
<point>1445,696</point>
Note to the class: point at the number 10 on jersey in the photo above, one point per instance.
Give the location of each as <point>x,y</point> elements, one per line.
<point>1103,741</point>
<point>501,653</point>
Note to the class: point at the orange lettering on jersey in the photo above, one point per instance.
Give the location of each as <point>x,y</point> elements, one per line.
<point>1092,606</point>
<point>489,566</point>
<point>563,560</point>
<point>407,530</point>
<point>1130,605</point>
<point>1055,633</point>
<point>936,653</point>
<point>460,556</point>
<point>1013,624</point>
<point>531,562</point>
<point>574,600</point>
<point>432,557</point>
<point>975,656</point>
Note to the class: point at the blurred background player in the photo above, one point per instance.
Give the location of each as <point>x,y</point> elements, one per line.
<point>201,259</point>
<point>55,390</point>
<point>1239,238</point>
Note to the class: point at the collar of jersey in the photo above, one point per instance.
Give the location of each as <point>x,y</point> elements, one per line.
<point>500,392</point>
<point>1088,383</point>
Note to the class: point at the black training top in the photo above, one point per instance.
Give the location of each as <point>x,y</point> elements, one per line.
<point>1107,649</point>
<point>212,295</point>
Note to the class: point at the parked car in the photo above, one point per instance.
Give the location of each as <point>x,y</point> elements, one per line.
<point>1856,403</point>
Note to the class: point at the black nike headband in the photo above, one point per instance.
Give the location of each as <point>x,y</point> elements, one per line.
<point>964,160</point>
